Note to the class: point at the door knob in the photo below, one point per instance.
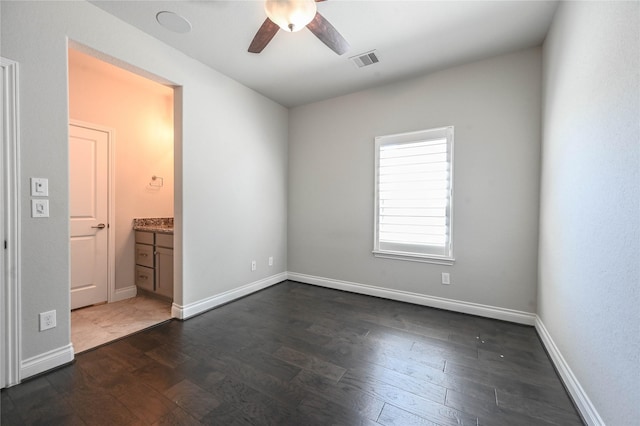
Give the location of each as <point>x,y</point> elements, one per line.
<point>100,226</point>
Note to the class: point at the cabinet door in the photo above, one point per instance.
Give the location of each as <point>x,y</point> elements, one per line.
<point>164,272</point>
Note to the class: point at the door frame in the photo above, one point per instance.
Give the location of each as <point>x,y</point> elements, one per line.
<point>111,227</point>
<point>10,298</point>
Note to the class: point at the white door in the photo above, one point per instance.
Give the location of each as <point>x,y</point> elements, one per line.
<point>88,195</point>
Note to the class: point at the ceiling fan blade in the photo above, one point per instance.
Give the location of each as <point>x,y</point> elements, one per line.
<point>263,36</point>
<point>327,34</point>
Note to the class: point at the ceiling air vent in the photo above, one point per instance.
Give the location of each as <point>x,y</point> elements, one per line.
<point>365,59</point>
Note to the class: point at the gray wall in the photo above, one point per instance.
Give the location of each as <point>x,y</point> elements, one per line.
<point>495,106</point>
<point>231,161</point>
<point>590,206</point>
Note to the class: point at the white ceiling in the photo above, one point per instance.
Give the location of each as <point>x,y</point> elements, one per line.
<point>410,38</point>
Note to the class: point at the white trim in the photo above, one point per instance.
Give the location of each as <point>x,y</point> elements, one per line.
<point>195,308</point>
<point>124,293</point>
<point>12,326</point>
<point>487,311</point>
<point>407,250</point>
<point>112,295</point>
<point>46,361</point>
<point>580,398</point>
<point>410,257</point>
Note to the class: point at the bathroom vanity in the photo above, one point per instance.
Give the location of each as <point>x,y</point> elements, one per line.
<point>154,255</point>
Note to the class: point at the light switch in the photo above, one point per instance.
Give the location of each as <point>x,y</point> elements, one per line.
<point>39,187</point>
<point>39,208</point>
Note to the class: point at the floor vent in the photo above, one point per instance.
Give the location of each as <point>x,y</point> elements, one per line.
<point>365,59</point>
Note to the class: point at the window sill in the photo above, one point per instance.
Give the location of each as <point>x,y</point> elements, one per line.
<point>411,257</point>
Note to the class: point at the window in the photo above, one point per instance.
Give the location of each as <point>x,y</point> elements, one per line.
<point>413,196</point>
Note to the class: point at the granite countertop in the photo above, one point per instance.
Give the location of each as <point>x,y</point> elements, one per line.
<point>161,225</point>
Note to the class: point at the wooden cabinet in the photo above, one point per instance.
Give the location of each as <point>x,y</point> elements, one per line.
<point>154,262</point>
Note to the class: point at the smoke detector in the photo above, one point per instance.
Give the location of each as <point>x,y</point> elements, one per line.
<point>173,22</point>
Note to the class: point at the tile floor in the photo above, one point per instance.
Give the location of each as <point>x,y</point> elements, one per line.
<point>96,325</point>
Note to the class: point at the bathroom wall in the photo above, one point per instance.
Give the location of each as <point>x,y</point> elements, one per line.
<point>140,111</point>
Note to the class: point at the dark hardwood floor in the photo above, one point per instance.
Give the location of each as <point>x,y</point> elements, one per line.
<point>295,354</point>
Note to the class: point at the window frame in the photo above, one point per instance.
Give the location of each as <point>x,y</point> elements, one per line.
<point>447,133</point>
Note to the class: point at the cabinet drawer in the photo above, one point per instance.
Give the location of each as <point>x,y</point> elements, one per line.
<point>144,237</point>
<point>164,240</point>
<point>144,255</point>
<point>144,277</point>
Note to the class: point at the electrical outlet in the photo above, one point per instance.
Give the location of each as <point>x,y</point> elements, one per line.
<point>270,260</point>
<point>254,265</point>
<point>47,320</point>
<point>446,279</point>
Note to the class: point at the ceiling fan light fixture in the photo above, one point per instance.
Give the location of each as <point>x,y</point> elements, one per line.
<point>291,15</point>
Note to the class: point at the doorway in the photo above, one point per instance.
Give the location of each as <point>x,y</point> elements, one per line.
<point>135,115</point>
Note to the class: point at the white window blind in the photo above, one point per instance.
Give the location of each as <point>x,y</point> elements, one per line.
<point>413,195</point>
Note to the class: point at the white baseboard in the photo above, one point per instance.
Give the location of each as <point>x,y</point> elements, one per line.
<point>195,308</point>
<point>60,356</point>
<point>494,312</point>
<point>46,361</point>
<point>583,403</point>
<point>125,293</point>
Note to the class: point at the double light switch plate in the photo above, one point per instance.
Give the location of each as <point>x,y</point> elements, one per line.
<point>39,206</point>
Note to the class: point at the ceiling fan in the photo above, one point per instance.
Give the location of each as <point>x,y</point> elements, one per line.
<point>294,15</point>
